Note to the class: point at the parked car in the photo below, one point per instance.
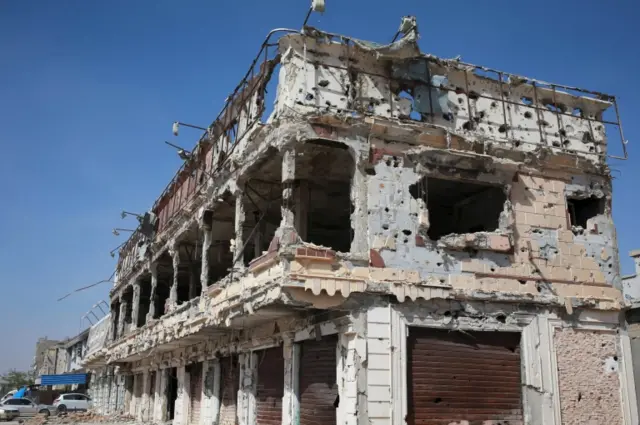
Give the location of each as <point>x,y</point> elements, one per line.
<point>26,407</point>
<point>72,401</point>
<point>8,413</point>
<point>7,396</point>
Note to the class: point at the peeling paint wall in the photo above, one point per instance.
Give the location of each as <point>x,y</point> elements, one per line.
<point>588,377</point>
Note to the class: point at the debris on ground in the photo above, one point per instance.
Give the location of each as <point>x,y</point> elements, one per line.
<point>78,417</point>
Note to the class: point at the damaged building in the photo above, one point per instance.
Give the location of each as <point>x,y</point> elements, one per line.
<point>368,234</point>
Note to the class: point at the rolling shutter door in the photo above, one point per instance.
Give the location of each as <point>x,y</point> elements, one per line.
<point>230,376</point>
<point>318,386</point>
<point>463,376</point>
<point>195,393</point>
<point>270,388</point>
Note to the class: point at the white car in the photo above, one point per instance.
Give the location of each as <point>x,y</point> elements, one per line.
<point>72,401</point>
<point>26,407</point>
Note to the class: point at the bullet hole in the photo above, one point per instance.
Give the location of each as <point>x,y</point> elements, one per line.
<point>439,264</point>
<point>473,95</point>
<point>543,123</point>
<point>494,104</point>
<point>385,226</point>
<point>501,318</point>
<point>579,396</point>
<point>460,100</point>
<point>615,358</point>
<point>323,83</point>
<point>327,103</point>
<point>522,282</point>
<point>503,128</point>
<point>406,240</point>
<point>528,114</point>
<point>309,96</point>
<point>516,143</point>
<point>388,162</point>
<point>493,269</point>
<point>437,400</point>
<point>556,143</point>
<point>386,209</point>
<point>604,344</point>
<point>395,236</point>
<point>442,281</point>
<point>467,126</point>
<point>447,313</point>
<point>481,114</point>
<point>406,232</point>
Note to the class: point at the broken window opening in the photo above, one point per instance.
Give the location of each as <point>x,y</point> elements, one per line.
<point>323,204</point>
<point>582,210</point>
<point>222,232</point>
<point>115,314</point>
<point>127,297</point>
<point>459,206</point>
<point>172,391</point>
<point>145,301</point>
<point>164,269</point>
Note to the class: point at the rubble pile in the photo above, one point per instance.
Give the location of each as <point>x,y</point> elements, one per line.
<point>78,417</point>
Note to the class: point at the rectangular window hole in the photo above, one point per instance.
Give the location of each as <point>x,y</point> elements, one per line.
<point>460,206</point>
<point>581,210</point>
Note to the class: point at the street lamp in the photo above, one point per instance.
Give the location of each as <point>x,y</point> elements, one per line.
<point>177,124</point>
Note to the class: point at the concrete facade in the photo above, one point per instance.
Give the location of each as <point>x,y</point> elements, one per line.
<point>387,190</point>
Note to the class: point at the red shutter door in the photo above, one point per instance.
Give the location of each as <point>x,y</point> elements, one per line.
<point>195,392</point>
<point>229,379</point>
<point>463,376</point>
<point>270,388</point>
<point>317,382</point>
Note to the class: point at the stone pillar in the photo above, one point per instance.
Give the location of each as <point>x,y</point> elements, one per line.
<point>174,251</point>
<point>143,414</point>
<point>182,402</point>
<point>154,287</point>
<point>216,402</point>
<point>290,401</point>
<point>302,209</point>
<point>135,307</point>
<point>238,255</point>
<point>121,316</point>
<point>160,399</point>
<point>246,403</point>
<point>288,177</point>
<point>359,218</point>
<point>206,247</point>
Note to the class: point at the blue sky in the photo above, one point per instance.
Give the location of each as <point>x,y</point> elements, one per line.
<point>89,89</point>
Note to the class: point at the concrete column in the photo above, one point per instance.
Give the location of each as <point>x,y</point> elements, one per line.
<point>290,401</point>
<point>246,404</point>
<point>182,402</point>
<point>302,209</point>
<point>160,400</point>
<point>135,307</point>
<point>239,230</point>
<point>206,247</point>
<point>121,316</point>
<point>146,389</point>
<point>174,251</point>
<point>359,219</point>
<point>154,288</point>
<point>288,177</point>
<point>216,402</point>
